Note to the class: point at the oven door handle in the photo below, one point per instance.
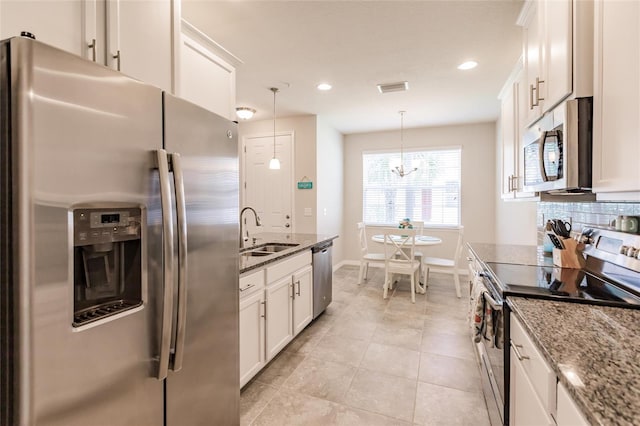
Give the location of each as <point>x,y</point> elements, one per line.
<point>492,302</point>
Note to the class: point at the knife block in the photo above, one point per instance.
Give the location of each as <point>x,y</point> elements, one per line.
<point>571,256</point>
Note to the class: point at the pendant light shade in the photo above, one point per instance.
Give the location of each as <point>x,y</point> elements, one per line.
<point>399,170</point>
<point>274,164</point>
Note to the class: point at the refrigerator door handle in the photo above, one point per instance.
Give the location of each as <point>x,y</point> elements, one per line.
<point>181,209</point>
<point>167,254</point>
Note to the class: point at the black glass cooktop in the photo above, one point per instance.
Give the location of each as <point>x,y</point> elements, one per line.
<point>551,282</point>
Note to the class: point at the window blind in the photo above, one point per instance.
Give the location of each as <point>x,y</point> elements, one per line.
<point>430,194</point>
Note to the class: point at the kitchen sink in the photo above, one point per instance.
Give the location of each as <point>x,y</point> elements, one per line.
<point>274,248</point>
<point>255,253</point>
<point>267,249</point>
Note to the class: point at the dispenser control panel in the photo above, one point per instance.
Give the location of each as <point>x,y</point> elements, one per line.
<point>95,226</point>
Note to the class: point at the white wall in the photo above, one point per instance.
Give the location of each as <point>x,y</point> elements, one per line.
<point>330,184</point>
<point>304,148</point>
<point>478,177</point>
<point>515,219</point>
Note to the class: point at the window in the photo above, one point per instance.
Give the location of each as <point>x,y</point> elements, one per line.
<point>430,194</point>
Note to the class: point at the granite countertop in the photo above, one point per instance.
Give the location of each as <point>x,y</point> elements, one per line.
<point>595,352</point>
<point>510,253</point>
<point>304,241</point>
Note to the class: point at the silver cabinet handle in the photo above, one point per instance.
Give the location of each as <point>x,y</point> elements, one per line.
<point>117,57</point>
<point>293,289</point>
<point>167,255</point>
<point>181,212</point>
<point>517,352</point>
<point>531,90</point>
<point>298,282</point>
<point>247,287</point>
<point>264,304</point>
<point>538,81</point>
<point>92,46</point>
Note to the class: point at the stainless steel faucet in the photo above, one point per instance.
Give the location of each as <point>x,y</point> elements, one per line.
<point>242,223</point>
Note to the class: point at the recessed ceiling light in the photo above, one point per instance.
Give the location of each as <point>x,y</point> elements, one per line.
<point>324,86</point>
<point>467,65</point>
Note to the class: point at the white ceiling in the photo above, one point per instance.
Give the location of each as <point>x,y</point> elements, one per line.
<point>354,45</point>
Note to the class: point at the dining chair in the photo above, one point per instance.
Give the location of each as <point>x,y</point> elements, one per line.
<point>399,258</point>
<point>365,256</point>
<point>446,263</point>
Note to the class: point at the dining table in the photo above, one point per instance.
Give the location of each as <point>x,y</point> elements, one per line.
<point>421,240</point>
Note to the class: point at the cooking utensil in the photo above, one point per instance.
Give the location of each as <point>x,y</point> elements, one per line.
<point>561,228</point>
<point>555,241</point>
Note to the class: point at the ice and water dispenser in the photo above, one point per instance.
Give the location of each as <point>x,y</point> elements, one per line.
<point>107,257</point>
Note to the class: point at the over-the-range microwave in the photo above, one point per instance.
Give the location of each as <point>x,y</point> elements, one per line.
<point>557,149</point>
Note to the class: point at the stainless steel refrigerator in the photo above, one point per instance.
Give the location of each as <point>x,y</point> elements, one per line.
<point>119,234</point>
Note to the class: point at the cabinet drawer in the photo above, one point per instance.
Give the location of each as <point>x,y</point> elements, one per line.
<point>540,374</point>
<point>251,282</point>
<point>288,266</point>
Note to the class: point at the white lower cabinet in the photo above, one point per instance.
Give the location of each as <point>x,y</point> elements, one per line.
<point>279,316</point>
<point>252,333</point>
<point>302,299</point>
<point>567,412</point>
<point>532,396</point>
<point>272,315</point>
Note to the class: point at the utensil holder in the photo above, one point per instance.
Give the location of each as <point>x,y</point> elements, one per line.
<point>571,256</point>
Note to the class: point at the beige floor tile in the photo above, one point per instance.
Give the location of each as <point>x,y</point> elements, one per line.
<point>438,405</point>
<point>344,350</point>
<point>362,330</point>
<point>404,319</point>
<point>392,360</point>
<point>253,399</point>
<point>322,379</point>
<point>290,409</point>
<point>457,373</point>
<point>447,325</point>
<point>383,394</point>
<point>454,345</point>
<point>280,368</point>
<point>402,337</point>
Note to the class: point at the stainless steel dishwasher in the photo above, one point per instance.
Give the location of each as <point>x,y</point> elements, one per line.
<point>322,277</point>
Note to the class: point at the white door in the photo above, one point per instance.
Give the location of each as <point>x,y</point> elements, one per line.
<point>268,191</point>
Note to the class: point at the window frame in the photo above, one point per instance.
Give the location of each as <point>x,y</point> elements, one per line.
<point>414,150</point>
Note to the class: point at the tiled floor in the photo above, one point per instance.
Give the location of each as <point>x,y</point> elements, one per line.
<point>369,361</point>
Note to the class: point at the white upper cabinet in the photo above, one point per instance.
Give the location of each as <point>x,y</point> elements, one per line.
<point>206,72</point>
<point>57,23</point>
<point>139,39</point>
<point>616,127</point>
<point>558,53</point>
<point>511,125</point>
<point>132,36</point>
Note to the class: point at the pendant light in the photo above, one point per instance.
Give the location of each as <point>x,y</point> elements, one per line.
<point>274,164</point>
<point>399,170</point>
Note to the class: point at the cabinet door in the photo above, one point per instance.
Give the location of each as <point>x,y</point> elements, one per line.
<point>205,78</point>
<point>616,109</point>
<point>54,22</point>
<point>139,40</point>
<point>303,299</point>
<point>567,412</point>
<point>278,316</point>
<point>558,51</point>
<point>251,336</point>
<point>525,406</point>
<point>508,119</point>
<point>533,54</point>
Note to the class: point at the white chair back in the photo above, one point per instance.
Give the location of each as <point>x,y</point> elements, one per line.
<point>400,247</point>
<point>363,238</point>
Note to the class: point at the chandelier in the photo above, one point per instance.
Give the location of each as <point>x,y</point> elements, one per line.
<point>399,170</point>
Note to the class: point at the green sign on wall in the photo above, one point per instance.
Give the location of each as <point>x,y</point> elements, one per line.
<point>305,185</point>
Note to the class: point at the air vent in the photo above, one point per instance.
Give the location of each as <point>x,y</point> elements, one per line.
<point>393,87</point>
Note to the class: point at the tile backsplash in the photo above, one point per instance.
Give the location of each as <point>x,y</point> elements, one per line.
<point>583,214</point>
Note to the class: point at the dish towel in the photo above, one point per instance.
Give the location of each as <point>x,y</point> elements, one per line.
<point>488,323</point>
